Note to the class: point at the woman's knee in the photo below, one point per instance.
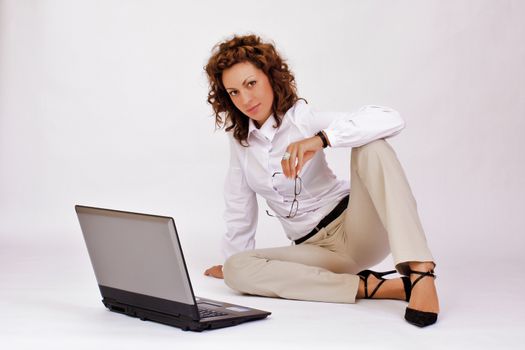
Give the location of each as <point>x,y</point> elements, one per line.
<point>234,270</point>
<point>375,146</point>
<point>371,153</point>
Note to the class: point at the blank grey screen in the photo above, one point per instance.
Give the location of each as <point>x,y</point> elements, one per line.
<point>136,253</point>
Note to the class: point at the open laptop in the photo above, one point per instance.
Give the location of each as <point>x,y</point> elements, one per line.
<point>141,272</point>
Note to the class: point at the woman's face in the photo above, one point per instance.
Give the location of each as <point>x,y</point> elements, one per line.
<point>249,90</point>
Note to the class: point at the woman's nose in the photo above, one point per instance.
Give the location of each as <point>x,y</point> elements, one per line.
<point>246,99</point>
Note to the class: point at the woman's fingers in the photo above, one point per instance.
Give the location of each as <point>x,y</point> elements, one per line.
<point>305,158</point>
<point>292,161</point>
<point>288,164</point>
<point>285,166</point>
<point>300,159</point>
<point>300,153</point>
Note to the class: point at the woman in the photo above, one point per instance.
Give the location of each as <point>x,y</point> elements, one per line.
<point>277,144</point>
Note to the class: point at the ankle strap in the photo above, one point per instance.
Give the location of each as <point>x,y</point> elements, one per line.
<point>423,274</point>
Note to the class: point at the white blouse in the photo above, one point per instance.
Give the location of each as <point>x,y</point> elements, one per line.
<point>251,169</point>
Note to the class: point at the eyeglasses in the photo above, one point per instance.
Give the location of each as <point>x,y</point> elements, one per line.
<point>295,203</point>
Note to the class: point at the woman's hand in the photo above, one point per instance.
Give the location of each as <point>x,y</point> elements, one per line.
<point>215,271</point>
<point>300,153</point>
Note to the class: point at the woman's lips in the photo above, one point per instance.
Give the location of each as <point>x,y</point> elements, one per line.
<point>253,109</point>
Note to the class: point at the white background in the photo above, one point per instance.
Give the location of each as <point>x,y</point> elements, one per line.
<point>103,103</point>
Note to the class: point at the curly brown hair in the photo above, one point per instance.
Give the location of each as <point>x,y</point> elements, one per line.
<point>264,56</point>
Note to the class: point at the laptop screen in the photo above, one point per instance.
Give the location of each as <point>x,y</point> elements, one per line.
<point>136,252</point>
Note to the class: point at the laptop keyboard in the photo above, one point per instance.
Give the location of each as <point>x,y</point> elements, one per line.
<point>207,313</point>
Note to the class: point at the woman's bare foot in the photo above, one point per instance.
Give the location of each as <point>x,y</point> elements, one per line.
<point>390,289</point>
<point>424,295</point>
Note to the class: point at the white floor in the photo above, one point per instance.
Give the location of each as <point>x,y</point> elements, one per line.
<point>49,299</point>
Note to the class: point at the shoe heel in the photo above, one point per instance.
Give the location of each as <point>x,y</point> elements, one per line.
<point>379,275</point>
<point>407,285</point>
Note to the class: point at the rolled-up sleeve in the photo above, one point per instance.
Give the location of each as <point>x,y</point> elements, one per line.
<point>241,211</point>
<point>355,129</point>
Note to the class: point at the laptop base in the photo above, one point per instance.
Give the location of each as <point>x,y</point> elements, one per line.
<point>180,321</point>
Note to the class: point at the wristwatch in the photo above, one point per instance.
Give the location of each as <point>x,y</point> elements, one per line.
<point>323,138</point>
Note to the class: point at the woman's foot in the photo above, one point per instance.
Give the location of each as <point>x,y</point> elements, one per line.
<point>390,288</point>
<point>424,295</point>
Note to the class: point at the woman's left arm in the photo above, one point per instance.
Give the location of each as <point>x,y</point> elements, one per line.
<point>355,129</point>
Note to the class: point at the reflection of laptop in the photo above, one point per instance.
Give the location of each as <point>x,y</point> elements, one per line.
<point>141,272</point>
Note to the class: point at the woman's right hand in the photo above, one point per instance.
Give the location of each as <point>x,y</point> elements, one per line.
<point>214,271</point>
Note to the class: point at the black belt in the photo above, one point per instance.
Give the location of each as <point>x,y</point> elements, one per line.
<point>334,214</point>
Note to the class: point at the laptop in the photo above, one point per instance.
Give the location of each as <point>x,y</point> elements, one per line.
<point>141,271</point>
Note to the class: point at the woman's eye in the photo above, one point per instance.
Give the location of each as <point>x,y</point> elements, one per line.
<point>233,93</point>
<point>252,83</point>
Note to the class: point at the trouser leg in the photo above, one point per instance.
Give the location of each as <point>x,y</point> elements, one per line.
<point>302,272</point>
<point>381,218</point>
<point>382,215</point>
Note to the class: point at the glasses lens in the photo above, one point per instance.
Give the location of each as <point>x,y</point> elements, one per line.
<point>293,209</point>
<point>298,185</point>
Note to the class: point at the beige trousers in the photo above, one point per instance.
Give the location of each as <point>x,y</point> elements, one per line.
<point>381,218</point>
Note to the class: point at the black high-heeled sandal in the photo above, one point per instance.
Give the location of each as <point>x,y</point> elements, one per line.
<point>417,317</point>
<point>379,275</point>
